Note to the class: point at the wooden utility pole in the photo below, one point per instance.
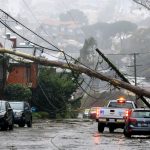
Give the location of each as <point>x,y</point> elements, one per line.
<point>121,75</point>
<point>82,69</point>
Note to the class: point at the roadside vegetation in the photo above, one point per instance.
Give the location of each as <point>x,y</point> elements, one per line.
<point>52,97</point>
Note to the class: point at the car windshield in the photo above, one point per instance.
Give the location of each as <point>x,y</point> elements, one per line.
<point>120,105</point>
<point>2,106</point>
<point>16,106</point>
<point>141,114</point>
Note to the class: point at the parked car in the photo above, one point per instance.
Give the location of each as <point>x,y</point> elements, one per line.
<point>6,116</point>
<point>137,123</point>
<point>86,113</point>
<point>93,112</point>
<point>22,113</point>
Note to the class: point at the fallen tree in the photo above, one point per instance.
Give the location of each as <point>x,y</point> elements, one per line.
<point>82,69</point>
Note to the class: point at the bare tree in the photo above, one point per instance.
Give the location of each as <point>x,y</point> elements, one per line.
<point>144,3</point>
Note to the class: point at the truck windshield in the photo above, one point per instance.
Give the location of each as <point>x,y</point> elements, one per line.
<point>120,105</point>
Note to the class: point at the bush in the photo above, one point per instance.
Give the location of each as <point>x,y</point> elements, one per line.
<point>40,115</point>
<point>18,92</point>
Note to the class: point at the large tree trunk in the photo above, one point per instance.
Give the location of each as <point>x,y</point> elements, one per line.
<point>81,69</point>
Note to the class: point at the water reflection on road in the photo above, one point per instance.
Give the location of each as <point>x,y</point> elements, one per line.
<point>69,135</point>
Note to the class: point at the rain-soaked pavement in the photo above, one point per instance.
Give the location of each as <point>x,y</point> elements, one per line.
<point>69,135</point>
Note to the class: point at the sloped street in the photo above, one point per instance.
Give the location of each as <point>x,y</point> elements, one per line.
<point>69,135</point>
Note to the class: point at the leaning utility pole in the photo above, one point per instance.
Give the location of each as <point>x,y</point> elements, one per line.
<point>81,69</point>
<point>120,74</point>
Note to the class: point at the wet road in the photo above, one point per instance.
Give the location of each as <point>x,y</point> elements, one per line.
<point>68,135</point>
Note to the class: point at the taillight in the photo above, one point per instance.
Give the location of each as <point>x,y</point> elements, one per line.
<point>132,121</point>
<point>127,113</point>
<point>97,112</point>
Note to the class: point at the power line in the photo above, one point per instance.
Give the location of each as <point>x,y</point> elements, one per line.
<point>36,43</point>
<point>44,47</point>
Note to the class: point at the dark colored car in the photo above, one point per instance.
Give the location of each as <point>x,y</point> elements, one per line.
<point>6,116</point>
<point>138,122</point>
<point>22,113</point>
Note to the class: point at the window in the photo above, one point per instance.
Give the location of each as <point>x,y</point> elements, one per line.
<point>141,114</point>
<point>120,105</point>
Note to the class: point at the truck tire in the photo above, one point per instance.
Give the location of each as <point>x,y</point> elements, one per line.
<point>4,127</point>
<point>29,123</point>
<point>111,129</point>
<point>11,127</point>
<point>100,127</point>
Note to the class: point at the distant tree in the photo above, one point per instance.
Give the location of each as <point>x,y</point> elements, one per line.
<point>74,15</point>
<point>17,92</point>
<point>139,43</point>
<point>86,53</point>
<point>104,32</point>
<point>122,28</point>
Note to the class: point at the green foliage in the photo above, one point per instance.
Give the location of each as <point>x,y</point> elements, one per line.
<point>17,92</point>
<point>54,91</point>
<point>40,115</point>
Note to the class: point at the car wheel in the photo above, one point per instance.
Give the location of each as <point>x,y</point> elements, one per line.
<point>11,127</point>
<point>21,124</point>
<point>4,127</point>
<point>100,127</point>
<point>126,134</point>
<point>29,123</point>
<point>111,129</point>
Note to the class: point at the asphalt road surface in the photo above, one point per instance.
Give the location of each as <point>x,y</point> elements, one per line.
<point>69,135</point>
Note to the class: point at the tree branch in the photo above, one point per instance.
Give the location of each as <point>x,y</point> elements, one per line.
<point>144,3</point>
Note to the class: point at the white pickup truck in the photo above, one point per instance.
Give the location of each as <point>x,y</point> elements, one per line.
<point>112,116</point>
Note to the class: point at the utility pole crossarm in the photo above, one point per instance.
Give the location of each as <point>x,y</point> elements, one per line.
<point>112,66</point>
<point>81,69</point>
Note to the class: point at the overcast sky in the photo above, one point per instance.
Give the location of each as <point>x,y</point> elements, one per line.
<point>96,10</point>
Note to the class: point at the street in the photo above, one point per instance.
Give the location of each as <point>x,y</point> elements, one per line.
<point>69,135</point>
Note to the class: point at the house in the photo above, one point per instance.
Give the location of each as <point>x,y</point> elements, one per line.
<point>23,73</point>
